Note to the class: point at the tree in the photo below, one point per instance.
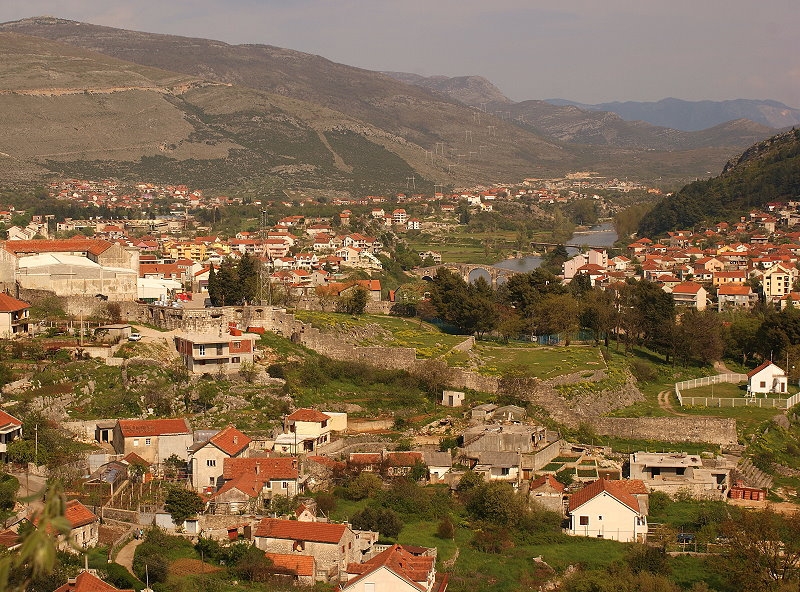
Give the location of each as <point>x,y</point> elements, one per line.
<point>446,529</point>
<point>496,502</point>
<point>247,273</point>
<point>365,485</point>
<point>182,504</point>
<point>762,551</point>
<point>383,520</point>
<point>254,565</point>
<point>354,303</point>
<point>214,292</point>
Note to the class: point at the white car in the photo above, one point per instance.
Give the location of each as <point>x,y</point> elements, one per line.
<point>135,337</point>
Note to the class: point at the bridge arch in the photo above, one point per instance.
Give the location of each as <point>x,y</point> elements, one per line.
<point>470,272</point>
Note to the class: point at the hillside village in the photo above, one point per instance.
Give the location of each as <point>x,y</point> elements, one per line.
<point>268,487</point>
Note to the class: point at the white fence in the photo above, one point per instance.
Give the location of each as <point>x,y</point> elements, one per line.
<point>767,403</point>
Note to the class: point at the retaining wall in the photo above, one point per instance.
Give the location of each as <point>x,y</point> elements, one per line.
<point>713,430</point>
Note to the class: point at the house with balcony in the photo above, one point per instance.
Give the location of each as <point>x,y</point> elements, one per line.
<point>10,430</point>
<point>206,353</point>
<point>14,316</point>
<point>154,440</point>
<point>307,429</point>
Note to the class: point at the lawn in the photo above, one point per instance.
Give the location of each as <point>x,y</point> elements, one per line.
<point>540,361</point>
<point>730,390</point>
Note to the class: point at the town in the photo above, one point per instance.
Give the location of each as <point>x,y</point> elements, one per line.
<point>171,363</point>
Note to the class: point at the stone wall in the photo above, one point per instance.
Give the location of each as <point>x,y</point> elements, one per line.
<point>713,430</point>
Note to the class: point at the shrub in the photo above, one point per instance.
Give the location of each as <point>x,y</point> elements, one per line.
<point>383,520</point>
<point>446,529</point>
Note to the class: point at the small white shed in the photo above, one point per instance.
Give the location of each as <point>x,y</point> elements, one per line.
<point>767,378</point>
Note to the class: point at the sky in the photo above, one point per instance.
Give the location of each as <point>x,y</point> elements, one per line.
<point>590,51</point>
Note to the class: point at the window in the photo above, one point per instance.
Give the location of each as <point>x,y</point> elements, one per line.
<point>285,485</point>
<point>235,360</point>
<point>211,462</point>
<point>211,480</point>
<point>201,350</point>
<point>147,441</point>
<point>584,521</point>
<point>599,517</point>
<point>763,384</point>
<point>237,344</point>
<point>136,441</point>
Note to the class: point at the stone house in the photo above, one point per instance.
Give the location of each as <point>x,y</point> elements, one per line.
<point>333,546</point>
<point>206,458</point>
<point>548,492</point>
<point>154,440</point>
<point>386,462</point>
<point>85,524</point>
<point>606,509</point>
<point>249,484</point>
<point>767,378</point>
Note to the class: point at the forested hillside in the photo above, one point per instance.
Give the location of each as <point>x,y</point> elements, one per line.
<point>769,171</point>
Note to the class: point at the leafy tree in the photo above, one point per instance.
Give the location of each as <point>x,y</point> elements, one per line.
<point>214,289</point>
<point>446,528</point>
<point>354,303</point>
<point>254,565</point>
<point>182,504</point>
<point>496,502</point>
<point>247,274</point>
<point>365,485</point>
<point>763,550</point>
<point>383,520</point>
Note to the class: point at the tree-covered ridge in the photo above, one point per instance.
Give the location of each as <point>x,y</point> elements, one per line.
<point>769,171</point>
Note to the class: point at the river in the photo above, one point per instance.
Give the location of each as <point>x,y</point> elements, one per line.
<point>602,235</point>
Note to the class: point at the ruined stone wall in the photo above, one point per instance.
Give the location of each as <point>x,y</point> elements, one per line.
<point>713,430</point>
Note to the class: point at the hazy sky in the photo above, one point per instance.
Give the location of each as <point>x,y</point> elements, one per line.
<point>585,50</point>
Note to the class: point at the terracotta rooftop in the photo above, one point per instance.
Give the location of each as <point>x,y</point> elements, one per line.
<point>78,514</point>
<point>7,420</point>
<point>415,569</point>
<point>230,440</point>
<point>319,532</point>
<point>759,368</point>
<point>612,488</point>
<point>11,304</point>
<point>547,480</point>
<point>311,415</point>
<point>93,246</point>
<point>87,582</point>
<point>153,427</point>
<point>266,468</point>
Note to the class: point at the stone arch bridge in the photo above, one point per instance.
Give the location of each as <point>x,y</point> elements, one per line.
<point>470,272</point>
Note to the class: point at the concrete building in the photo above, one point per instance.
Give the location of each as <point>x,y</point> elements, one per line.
<point>10,430</point>
<point>71,267</point>
<point>706,478</point>
<point>207,353</point>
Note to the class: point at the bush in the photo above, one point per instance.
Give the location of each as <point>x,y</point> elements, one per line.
<point>494,540</point>
<point>446,529</point>
<point>118,576</point>
<point>276,371</point>
<point>644,371</point>
<point>365,485</point>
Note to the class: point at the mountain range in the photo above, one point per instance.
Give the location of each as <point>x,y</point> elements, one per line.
<point>88,101</point>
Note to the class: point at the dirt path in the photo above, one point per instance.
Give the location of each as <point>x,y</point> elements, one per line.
<point>721,368</point>
<point>125,555</point>
<point>664,403</point>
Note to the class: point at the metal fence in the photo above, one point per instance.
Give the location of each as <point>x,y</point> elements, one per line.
<point>767,403</point>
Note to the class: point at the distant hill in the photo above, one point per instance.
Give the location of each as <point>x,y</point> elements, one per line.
<point>94,101</point>
<point>696,115</point>
<point>768,171</point>
<point>574,123</point>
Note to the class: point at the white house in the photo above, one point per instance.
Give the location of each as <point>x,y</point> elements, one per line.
<point>767,378</point>
<point>207,458</point>
<point>395,569</point>
<point>606,509</point>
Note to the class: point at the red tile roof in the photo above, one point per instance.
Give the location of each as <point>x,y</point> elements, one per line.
<point>153,427</point>
<point>546,480</point>
<point>11,304</point>
<point>414,569</point>
<point>134,459</point>
<point>231,441</point>
<point>86,582</point>
<point>319,532</point>
<point>687,288</point>
<point>612,488</point>
<point>6,419</point>
<point>266,468</point>
<point>633,486</point>
<point>78,514</point>
<point>9,539</point>
<point>301,565</point>
<point>759,368</point>
<point>734,290</point>
<point>93,246</point>
<point>311,415</point>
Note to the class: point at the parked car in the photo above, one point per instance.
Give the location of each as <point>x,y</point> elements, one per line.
<point>684,538</point>
<point>135,337</point>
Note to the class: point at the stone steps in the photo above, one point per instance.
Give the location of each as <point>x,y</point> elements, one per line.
<point>751,475</point>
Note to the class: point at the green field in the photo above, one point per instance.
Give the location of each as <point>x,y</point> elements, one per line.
<point>730,390</point>
<point>383,330</point>
<point>540,361</point>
